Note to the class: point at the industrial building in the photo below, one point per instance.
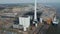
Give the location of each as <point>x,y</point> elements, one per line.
<point>24,23</point>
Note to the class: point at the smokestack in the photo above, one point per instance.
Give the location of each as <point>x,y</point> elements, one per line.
<point>35,14</point>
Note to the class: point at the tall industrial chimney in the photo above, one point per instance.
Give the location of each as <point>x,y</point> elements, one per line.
<point>35,13</point>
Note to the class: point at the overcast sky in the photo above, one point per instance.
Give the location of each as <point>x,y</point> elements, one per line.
<point>29,1</point>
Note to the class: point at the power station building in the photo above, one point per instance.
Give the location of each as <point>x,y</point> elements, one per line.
<point>25,21</point>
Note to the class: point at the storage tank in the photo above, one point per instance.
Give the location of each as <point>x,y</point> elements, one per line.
<point>55,21</point>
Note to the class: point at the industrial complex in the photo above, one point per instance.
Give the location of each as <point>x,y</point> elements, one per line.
<point>27,19</point>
